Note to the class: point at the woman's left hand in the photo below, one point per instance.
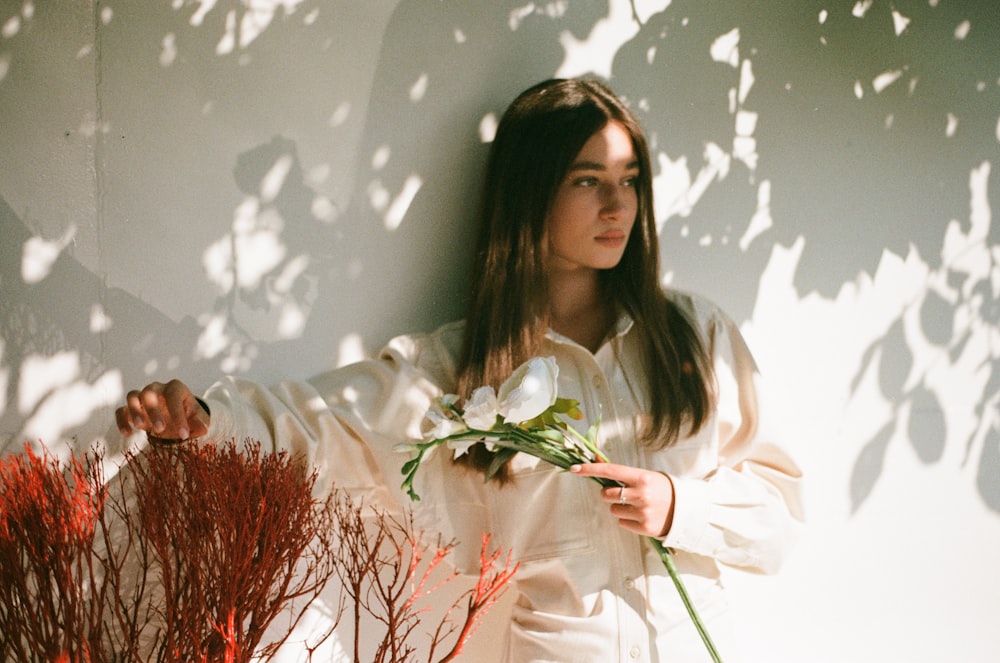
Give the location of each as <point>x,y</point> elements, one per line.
<point>643,503</point>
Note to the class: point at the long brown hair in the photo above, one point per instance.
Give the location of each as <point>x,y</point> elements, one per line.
<point>537,139</point>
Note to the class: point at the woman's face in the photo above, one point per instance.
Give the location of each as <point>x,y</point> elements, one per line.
<point>596,204</point>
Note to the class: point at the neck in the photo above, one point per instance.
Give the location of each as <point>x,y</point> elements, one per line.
<point>579,308</point>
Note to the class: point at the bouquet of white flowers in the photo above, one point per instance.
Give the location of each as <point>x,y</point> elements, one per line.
<point>526,415</point>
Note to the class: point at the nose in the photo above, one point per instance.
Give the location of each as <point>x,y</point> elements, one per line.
<point>612,199</point>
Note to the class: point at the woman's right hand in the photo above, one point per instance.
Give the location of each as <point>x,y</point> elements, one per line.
<point>165,411</point>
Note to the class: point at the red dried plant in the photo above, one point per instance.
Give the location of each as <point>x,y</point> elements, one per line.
<point>491,585</point>
<point>387,570</point>
<point>235,536</point>
<point>51,583</point>
<point>196,549</point>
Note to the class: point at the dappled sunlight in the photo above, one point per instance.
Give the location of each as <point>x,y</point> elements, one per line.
<point>45,374</point>
<point>396,210</point>
<point>38,255</point>
<point>595,53</point>
<point>929,342</point>
<point>391,207</point>
<point>251,252</point>
<point>74,404</point>
<point>725,48</point>
<point>262,269</point>
<point>488,127</point>
<point>11,25</point>
<point>244,21</point>
<point>939,362</point>
<point>274,180</point>
<point>266,269</point>
<point>761,220</point>
<point>169,51</point>
<point>54,396</point>
<point>100,322</point>
<point>220,342</point>
<point>351,349</point>
<point>898,446</point>
<point>213,339</point>
<point>678,190</point>
<point>419,88</point>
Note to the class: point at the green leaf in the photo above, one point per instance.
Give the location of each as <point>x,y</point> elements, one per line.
<point>567,406</point>
<point>551,434</point>
<point>499,459</point>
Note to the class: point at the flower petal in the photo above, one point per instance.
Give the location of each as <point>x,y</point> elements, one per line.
<point>481,409</point>
<point>530,390</point>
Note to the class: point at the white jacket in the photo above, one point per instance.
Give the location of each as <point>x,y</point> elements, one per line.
<point>587,590</point>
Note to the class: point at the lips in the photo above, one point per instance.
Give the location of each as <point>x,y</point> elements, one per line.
<point>611,237</point>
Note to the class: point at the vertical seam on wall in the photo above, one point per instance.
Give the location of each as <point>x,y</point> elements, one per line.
<point>99,169</point>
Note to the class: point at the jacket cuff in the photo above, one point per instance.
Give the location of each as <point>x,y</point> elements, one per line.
<point>690,530</point>
<point>221,420</point>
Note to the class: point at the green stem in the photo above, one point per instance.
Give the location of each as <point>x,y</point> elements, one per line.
<point>668,561</point>
<point>525,441</point>
<point>667,557</point>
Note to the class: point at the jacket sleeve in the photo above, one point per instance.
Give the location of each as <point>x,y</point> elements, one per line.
<point>345,423</point>
<point>746,510</point>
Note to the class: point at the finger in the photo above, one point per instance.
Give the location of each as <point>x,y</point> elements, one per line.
<point>629,501</point>
<point>151,400</point>
<point>198,421</point>
<point>136,412</point>
<point>178,399</point>
<point>640,519</point>
<point>620,473</point>
<point>614,495</point>
<point>123,421</point>
<point>632,526</point>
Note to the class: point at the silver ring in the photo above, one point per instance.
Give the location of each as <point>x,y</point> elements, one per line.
<point>621,495</point>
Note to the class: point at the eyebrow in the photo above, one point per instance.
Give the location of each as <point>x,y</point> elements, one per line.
<point>593,165</point>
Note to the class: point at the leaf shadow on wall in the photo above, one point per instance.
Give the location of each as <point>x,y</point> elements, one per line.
<point>43,318</point>
<point>849,174</point>
<point>271,259</point>
<point>867,139</point>
<point>445,72</point>
<point>854,176</point>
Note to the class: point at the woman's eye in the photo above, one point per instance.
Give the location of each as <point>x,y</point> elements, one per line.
<point>585,181</point>
<point>630,181</point>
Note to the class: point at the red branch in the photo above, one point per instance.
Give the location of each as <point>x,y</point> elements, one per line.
<point>235,536</point>
<point>491,586</point>
<point>387,573</point>
<point>48,574</point>
<point>194,550</point>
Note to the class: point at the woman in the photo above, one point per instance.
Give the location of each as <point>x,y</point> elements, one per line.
<point>566,266</point>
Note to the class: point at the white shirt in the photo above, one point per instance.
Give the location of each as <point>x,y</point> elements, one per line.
<point>587,590</point>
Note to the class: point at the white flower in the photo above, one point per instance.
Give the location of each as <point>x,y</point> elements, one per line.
<point>443,428</point>
<point>481,409</point>
<point>461,446</point>
<point>530,390</point>
<point>405,448</point>
<point>442,424</point>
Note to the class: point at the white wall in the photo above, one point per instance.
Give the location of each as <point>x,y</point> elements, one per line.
<point>828,172</point>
